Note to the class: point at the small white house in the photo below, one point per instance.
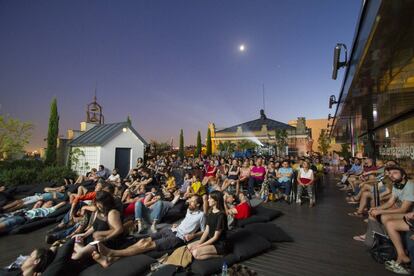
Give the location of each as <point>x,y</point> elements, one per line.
<point>116,145</point>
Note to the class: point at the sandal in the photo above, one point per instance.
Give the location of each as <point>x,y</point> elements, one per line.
<point>356,214</point>
<point>360,238</point>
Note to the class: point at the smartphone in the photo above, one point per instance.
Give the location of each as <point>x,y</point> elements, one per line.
<point>94,243</point>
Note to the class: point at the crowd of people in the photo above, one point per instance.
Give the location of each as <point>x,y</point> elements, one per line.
<point>111,217</point>
<point>383,196</point>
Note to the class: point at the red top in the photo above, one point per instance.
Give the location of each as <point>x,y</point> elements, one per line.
<point>88,196</point>
<point>243,211</point>
<point>210,171</point>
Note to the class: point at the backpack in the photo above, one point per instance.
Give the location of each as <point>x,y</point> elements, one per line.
<point>382,249</point>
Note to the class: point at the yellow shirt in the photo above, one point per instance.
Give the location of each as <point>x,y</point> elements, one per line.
<point>171,182</point>
<point>198,188</point>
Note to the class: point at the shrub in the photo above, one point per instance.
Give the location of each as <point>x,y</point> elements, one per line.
<point>55,174</point>
<point>18,176</point>
<point>26,164</point>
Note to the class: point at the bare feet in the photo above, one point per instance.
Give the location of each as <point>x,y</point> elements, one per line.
<point>102,260</point>
<point>103,250</point>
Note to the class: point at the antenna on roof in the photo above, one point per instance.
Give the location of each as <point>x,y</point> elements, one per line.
<point>263,94</point>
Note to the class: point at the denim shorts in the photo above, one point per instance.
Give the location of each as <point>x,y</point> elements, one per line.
<point>31,199</point>
<point>11,222</point>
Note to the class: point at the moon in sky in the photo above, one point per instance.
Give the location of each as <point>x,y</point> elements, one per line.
<point>242,48</point>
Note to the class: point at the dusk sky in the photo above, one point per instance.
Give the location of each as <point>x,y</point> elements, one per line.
<point>170,64</point>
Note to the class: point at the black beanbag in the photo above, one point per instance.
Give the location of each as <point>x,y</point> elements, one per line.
<point>213,265</point>
<point>269,214</point>
<point>158,254</point>
<point>250,220</point>
<point>32,225</point>
<point>269,231</point>
<point>247,244</point>
<point>61,211</point>
<point>129,266</point>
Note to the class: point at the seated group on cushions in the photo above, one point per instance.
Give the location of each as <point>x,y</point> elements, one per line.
<point>385,195</point>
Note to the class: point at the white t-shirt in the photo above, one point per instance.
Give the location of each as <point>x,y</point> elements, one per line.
<point>303,174</point>
<point>114,178</point>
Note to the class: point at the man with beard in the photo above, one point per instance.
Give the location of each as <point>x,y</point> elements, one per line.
<point>400,203</point>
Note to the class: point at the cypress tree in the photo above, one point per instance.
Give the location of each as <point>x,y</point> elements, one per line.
<point>52,134</point>
<point>208,144</point>
<point>198,149</point>
<point>181,150</point>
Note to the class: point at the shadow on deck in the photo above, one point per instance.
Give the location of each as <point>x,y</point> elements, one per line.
<point>323,240</point>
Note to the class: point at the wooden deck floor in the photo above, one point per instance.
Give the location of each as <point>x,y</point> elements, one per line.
<point>323,241</point>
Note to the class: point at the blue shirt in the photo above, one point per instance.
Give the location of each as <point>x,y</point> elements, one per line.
<point>285,171</point>
<point>355,169</point>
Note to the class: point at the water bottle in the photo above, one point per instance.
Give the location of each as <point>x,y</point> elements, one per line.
<point>224,269</point>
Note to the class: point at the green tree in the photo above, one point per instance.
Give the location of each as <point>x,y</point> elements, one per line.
<point>198,149</point>
<point>52,134</point>
<point>226,148</point>
<point>324,142</point>
<point>159,148</point>
<point>181,149</point>
<point>208,143</point>
<point>245,145</point>
<point>345,153</point>
<point>281,141</point>
<point>14,136</point>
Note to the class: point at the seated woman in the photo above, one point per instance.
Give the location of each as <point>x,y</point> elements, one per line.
<point>197,188</point>
<point>236,210</point>
<point>244,175</point>
<point>106,227</point>
<point>213,242</point>
<point>305,180</point>
<point>91,176</point>
<point>210,172</point>
<point>9,223</point>
<point>231,183</point>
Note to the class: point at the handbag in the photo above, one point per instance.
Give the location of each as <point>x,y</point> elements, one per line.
<point>180,257</point>
<point>382,249</point>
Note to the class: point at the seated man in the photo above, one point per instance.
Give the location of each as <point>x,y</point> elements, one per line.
<point>284,179</point>
<point>355,170</point>
<point>166,239</point>
<point>102,172</point>
<point>400,203</point>
<point>9,223</point>
<point>20,203</point>
<point>152,210</point>
<point>394,227</point>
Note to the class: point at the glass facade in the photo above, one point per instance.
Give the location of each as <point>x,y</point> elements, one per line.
<point>376,106</point>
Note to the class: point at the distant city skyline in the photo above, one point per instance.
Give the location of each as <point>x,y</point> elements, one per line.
<point>170,65</point>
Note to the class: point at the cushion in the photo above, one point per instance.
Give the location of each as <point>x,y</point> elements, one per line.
<point>269,214</point>
<point>129,266</point>
<point>167,270</point>
<point>247,244</point>
<point>32,225</point>
<point>269,231</point>
<point>61,211</point>
<point>250,220</point>
<point>213,265</point>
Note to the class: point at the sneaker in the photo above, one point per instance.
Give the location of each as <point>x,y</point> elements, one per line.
<point>398,269</point>
<point>153,228</point>
<point>298,201</point>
